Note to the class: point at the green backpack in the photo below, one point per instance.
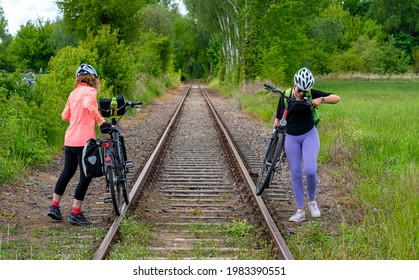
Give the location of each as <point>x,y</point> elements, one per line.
<point>316,117</point>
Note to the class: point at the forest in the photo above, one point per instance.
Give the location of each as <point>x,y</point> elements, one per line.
<point>140,48</point>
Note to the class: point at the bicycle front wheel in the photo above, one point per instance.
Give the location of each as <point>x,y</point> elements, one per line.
<point>122,170</point>
<point>267,171</point>
<point>123,182</point>
<point>116,193</point>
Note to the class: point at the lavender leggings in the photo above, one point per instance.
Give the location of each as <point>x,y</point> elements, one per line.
<point>298,148</point>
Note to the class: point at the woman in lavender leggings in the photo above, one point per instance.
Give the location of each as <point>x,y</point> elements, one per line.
<point>302,142</point>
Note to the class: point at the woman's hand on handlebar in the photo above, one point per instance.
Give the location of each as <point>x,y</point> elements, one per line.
<point>105,127</point>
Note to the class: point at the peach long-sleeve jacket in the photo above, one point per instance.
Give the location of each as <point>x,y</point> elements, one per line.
<point>81,110</point>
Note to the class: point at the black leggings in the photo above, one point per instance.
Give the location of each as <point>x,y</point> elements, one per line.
<point>72,159</point>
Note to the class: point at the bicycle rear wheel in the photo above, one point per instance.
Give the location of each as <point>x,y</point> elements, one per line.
<point>267,171</point>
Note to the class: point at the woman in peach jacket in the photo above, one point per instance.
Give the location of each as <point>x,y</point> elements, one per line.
<point>81,110</point>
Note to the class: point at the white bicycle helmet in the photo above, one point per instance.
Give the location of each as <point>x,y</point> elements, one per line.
<point>85,69</point>
<point>303,79</point>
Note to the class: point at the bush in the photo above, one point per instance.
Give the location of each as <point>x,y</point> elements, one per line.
<point>22,141</point>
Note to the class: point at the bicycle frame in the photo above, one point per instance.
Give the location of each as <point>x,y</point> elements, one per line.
<point>275,152</point>
<point>115,162</point>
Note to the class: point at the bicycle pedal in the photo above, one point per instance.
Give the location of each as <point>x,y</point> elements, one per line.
<point>129,163</point>
<point>253,174</point>
<point>107,200</point>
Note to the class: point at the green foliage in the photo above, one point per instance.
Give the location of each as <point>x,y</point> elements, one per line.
<point>382,156</point>
<point>5,40</point>
<point>30,48</point>
<point>416,60</point>
<point>87,16</point>
<point>60,38</point>
<point>158,19</point>
<point>115,65</point>
<point>396,16</point>
<point>196,52</point>
<point>23,143</point>
<point>214,55</point>
<point>274,64</point>
<point>362,56</point>
<point>399,19</point>
<point>329,28</point>
<point>153,54</point>
<point>368,56</point>
<point>393,59</point>
<point>3,23</point>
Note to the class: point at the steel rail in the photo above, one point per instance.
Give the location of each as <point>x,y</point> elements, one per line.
<point>103,249</point>
<point>273,229</point>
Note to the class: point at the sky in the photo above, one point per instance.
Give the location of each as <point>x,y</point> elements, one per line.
<point>19,12</point>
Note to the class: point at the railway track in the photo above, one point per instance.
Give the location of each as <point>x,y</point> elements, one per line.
<point>195,194</point>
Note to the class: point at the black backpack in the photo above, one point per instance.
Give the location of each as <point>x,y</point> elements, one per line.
<point>92,160</point>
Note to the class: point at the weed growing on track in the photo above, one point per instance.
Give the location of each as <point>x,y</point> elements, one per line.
<point>138,240</point>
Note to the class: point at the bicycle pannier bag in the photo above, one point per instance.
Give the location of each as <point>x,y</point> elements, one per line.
<point>105,107</point>
<point>121,108</point>
<point>92,160</point>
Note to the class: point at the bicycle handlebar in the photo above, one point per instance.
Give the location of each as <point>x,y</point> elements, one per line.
<point>133,104</point>
<point>130,104</point>
<point>273,89</point>
<point>304,101</point>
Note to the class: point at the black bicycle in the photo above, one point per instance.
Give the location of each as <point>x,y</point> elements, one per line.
<point>275,153</point>
<point>116,165</point>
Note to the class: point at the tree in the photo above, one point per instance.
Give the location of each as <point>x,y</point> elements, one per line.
<point>115,65</point>
<point>193,52</point>
<point>60,38</point>
<point>30,48</point>
<point>84,16</point>
<point>357,7</point>
<point>393,59</point>
<point>5,40</point>
<point>398,18</point>
<point>416,61</point>
<point>221,18</point>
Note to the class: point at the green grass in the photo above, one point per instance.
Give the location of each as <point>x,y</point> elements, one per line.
<point>47,243</point>
<point>373,133</point>
<point>371,137</point>
<point>137,238</point>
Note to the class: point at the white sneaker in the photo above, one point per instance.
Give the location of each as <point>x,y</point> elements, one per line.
<point>315,212</point>
<point>299,216</point>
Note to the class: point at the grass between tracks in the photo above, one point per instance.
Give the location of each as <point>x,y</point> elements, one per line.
<point>370,138</point>
<point>140,240</point>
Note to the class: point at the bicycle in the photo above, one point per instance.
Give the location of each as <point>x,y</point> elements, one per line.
<point>115,163</point>
<point>275,152</point>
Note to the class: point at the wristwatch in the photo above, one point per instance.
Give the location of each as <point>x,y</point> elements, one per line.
<point>322,100</point>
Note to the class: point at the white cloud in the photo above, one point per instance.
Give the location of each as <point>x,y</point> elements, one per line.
<point>19,12</point>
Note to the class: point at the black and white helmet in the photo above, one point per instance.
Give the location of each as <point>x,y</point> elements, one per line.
<point>303,79</point>
<point>86,69</point>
